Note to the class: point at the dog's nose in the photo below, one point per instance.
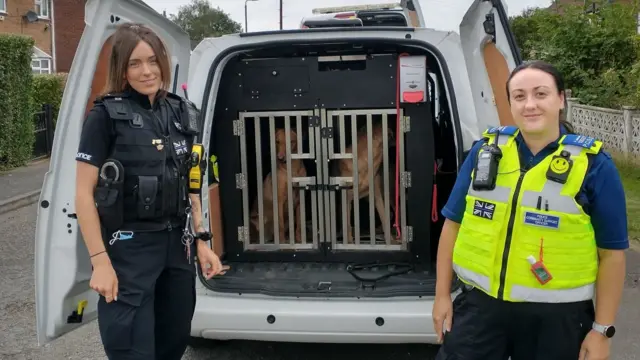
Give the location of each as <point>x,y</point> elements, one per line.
<point>280,156</point>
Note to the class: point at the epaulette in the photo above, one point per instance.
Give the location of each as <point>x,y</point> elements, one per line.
<point>504,130</point>
<point>117,108</point>
<point>173,98</point>
<point>587,142</point>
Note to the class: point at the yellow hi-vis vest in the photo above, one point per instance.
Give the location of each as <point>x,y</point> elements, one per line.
<point>501,228</point>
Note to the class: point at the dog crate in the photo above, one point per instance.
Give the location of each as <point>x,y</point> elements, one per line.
<point>324,139</point>
<point>338,124</point>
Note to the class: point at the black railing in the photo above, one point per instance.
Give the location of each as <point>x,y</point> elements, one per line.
<point>43,121</point>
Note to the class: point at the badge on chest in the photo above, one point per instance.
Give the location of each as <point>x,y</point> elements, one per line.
<point>180,147</point>
<point>158,144</point>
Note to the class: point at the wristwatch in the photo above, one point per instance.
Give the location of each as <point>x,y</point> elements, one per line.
<point>606,330</point>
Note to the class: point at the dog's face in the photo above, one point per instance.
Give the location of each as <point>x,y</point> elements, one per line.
<point>281,144</point>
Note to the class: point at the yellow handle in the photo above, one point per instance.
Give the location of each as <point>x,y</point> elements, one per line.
<point>214,165</point>
<point>81,305</point>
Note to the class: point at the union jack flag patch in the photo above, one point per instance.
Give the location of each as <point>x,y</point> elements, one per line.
<point>180,147</point>
<point>484,209</point>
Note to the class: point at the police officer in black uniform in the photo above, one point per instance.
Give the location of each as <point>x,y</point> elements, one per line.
<point>133,203</point>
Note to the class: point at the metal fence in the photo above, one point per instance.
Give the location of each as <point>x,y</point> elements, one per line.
<point>43,131</point>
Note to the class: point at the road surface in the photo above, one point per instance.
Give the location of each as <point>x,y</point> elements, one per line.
<point>17,318</point>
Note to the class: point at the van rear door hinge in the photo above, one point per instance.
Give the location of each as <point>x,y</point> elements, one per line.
<point>406,124</point>
<point>238,127</point>
<point>241,182</point>
<point>243,233</point>
<point>405,179</point>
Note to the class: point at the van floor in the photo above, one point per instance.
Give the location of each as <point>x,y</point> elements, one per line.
<point>310,279</point>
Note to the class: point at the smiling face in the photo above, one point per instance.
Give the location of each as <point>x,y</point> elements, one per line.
<point>143,72</point>
<point>139,60</point>
<point>535,101</point>
<point>559,165</point>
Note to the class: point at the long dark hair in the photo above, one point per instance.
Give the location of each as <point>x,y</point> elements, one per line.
<point>124,41</point>
<point>558,79</point>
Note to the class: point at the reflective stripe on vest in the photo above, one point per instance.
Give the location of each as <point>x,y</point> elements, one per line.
<point>502,227</point>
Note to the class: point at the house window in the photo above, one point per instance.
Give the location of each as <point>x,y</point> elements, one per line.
<point>42,8</point>
<point>41,66</point>
<point>3,6</point>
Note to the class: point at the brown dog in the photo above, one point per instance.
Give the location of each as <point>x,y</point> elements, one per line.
<point>297,170</point>
<point>345,169</point>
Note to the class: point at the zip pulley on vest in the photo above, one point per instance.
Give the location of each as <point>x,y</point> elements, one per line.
<point>486,169</point>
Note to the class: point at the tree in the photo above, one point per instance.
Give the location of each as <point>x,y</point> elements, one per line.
<point>598,52</point>
<point>200,20</point>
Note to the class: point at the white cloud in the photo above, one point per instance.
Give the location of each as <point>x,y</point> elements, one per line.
<point>265,14</point>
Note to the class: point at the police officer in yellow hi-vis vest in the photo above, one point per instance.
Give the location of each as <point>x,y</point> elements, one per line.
<point>536,231</point>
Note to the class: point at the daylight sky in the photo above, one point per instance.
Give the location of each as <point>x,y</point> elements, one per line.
<point>265,15</point>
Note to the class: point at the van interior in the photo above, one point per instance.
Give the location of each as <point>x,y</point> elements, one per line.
<point>311,114</point>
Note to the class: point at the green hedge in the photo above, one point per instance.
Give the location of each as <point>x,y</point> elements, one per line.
<point>48,89</point>
<point>16,106</point>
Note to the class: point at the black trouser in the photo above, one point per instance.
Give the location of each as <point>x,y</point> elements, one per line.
<point>485,328</point>
<point>156,297</point>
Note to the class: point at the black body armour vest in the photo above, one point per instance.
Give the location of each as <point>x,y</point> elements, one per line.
<point>153,146</point>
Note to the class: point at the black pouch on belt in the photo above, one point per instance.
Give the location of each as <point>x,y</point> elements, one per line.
<point>147,194</point>
<point>109,194</point>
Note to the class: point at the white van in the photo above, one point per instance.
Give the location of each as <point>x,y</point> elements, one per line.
<point>329,85</point>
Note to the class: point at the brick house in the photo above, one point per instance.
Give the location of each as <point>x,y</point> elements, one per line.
<point>69,25</point>
<point>55,25</point>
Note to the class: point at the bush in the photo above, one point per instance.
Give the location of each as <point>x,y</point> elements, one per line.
<point>599,54</point>
<point>16,106</point>
<point>48,89</point>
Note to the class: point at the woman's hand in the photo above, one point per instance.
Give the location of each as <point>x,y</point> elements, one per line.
<point>594,347</point>
<point>442,315</point>
<point>209,261</point>
<point>103,278</point>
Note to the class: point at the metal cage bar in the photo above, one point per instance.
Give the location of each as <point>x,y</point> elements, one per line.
<point>371,199</point>
<point>385,169</point>
<point>274,171</point>
<point>404,183</point>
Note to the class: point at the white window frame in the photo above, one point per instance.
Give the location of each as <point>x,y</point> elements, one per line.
<point>42,8</point>
<point>3,6</point>
<point>40,56</point>
<point>40,69</point>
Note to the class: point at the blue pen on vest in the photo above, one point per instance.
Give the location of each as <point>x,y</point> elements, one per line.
<point>539,206</point>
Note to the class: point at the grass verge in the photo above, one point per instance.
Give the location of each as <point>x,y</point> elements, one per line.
<point>629,169</point>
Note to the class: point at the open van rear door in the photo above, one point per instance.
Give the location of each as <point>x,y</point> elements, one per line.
<point>491,53</point>
<point>64,300</point>
<point>413,12</point>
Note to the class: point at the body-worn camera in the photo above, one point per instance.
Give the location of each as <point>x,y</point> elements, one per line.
<point>486,169</point>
